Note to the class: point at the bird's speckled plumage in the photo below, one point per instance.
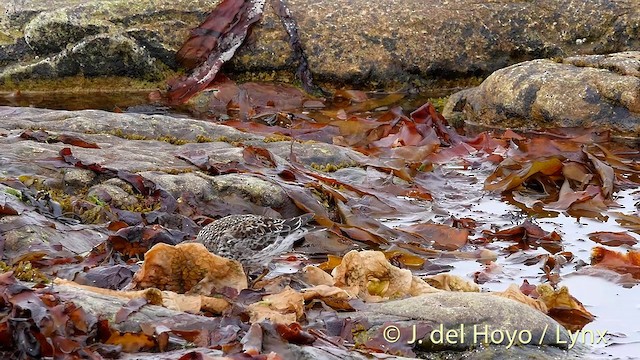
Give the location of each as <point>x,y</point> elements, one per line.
<point>252,239</point>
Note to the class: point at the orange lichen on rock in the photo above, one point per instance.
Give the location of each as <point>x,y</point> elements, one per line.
<point>333,296</point>
<point>369,276</point>
<point>131,342</point>
<point>450,282</point>
<point>168,299</point>
<point>513,292</point>
<point>315,275</point>
<point>152,295</point>
<point>188,268</point>
<point>285,307</point>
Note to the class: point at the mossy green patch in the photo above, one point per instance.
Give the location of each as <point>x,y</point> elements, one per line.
<point>82,84</point>
<point>203,139</point>
<point>177,171</point>
<point>439,102</point>
<point>360,335</point>
<point>25,271</point>
<point>14,192</point>
<point>119,133</point>
<point>173,140</point>
<point>332,167</point>
<point>277,138</point>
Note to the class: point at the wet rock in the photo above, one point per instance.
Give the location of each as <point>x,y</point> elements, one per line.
<point>321,156</point>
<point>180,183</point>
<point>78,178</point>
<point>129,126</point>
<point>32,236</point>
<point>467,316</point>
<point>51,32</point>
<point>99,55</point>
<point>158,147</point>
<point>580,91</point>
<point>395,42</point>
<point>115,192</point>
<point>96,38</point>
<point>256,190</point>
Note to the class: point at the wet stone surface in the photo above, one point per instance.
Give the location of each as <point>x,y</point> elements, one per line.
<point>346,42</point>
<point>581,91</point>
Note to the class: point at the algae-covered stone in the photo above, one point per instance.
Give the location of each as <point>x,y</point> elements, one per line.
<point>592,91</point>
<point>78,178</point>
<point>115,192</point>
<point>260,192</point>
<point>181,183</point>
<point>392,44</point>
<point>315,153</point>
<point>51,32</point>
<point>95,38</point>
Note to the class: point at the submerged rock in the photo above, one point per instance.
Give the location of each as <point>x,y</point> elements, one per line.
<point>580,91</point>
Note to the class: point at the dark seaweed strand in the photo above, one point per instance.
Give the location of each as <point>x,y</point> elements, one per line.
<point>200,77</point>
<point>303,72</point>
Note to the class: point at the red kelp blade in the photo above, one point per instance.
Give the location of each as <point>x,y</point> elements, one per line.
<point>300,130</point>
<point>206,37</point>
<point>619,163</point>
<point>536,148</point>
<point>294,333</point>
<point>564,308</point>
<point>528,235</point>
<point>567,197</point>
<point>217,40</point>
<point>39,324</point>
<point>631,222</point>
<point>582,135</point>
<point>613,238</point>
<point>136,240</point>
<point>444,237</point>
<point>605,172</point>
<point>427,114</point>
<point>113,277</point>
<point>45,137</point>
<point>404,258</point>
<point>628,263</point>
<point>511,173</point>
<point>257,156</point>
<point>291,27</point>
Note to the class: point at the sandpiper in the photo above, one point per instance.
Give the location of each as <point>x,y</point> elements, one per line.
<point>253,240</point>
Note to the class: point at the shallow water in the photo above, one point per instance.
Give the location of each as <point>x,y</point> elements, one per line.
<point>97,100</point>
<point>459,192</point>
<point>616,307</point>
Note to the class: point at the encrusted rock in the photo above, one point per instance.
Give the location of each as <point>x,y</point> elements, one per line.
<point>581,91</point>
<point>179,183</point>
<point>466,316</point>
<point>115,192</point>
<point>387,45</point>
<point>78,178</point>
<point>260,192</point>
